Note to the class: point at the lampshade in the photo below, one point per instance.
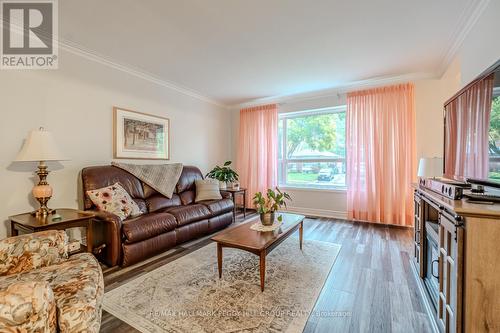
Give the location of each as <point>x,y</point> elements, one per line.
<point>429,167</point>
<point>40,146</point>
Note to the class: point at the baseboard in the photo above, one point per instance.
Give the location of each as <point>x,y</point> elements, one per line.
<point>336,214</point>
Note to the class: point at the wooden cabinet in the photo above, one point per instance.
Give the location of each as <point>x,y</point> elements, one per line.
<point>449,312</point>
<point>458,242</point>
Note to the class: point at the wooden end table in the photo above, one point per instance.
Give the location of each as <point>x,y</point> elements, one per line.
<point>234,192</point>
<point>259,243</point>
<point>70,218</point>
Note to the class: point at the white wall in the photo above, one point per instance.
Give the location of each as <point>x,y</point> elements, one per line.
<point>75,104</point>
<point>481,47</point>
<point>430,96</point>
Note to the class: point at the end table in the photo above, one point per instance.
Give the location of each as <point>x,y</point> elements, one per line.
<point>233,192</point>
<point>70,218</point>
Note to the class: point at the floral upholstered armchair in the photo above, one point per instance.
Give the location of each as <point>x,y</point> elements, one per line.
<point>44,290</point>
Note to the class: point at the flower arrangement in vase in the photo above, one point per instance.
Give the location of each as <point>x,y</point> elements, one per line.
<point>267,205</point>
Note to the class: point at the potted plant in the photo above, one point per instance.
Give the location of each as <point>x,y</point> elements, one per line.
<point>224,174</point>
<point>268,205</point>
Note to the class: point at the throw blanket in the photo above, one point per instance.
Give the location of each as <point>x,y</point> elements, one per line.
<point>161,177</point>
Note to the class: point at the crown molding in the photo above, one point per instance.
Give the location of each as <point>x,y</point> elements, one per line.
<point>467,21</point>
<point>77,49</point>
<point>337,90</point>
<point>91,55</point>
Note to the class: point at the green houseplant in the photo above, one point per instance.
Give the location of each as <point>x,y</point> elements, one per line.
<point>224,174</point>
<point>267,205</point>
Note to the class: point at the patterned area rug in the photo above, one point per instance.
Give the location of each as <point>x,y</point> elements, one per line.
<point>186,295</point>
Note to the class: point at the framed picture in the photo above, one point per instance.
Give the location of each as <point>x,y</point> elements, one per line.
<point>138,135</point>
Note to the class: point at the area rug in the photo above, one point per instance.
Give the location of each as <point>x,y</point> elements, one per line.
<point>186,295</point>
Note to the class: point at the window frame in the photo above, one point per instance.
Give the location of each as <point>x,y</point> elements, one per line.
<point>283,160</point>
<point>493,159</point>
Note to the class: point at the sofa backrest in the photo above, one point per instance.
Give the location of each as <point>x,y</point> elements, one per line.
<point>96,177</point>
<point>186,186</point>
<point>156,201</point>
<point>146,197</point>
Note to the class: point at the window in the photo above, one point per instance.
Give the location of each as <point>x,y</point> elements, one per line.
<point>494,137</point>
<point>311,150</point>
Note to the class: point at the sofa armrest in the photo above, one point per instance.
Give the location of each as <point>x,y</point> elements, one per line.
<point>28,307</point>
<point>226,195</point>
<point>31,251</point>
<point>112,233</point>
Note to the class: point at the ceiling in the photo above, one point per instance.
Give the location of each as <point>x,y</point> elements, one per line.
<point>235,51</point>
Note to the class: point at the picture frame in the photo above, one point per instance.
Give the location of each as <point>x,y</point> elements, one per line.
<point>138,135</point>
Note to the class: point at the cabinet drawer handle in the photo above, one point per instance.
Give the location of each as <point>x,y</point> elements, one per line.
<point>432,268</point>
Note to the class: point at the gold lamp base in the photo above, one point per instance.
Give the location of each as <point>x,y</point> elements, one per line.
<point>42,192</point>
<point>43,211</point>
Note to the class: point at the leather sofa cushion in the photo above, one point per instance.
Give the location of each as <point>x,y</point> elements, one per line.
<point>188,214</point>
<point>102,176</point>
<point>187,197</point>
<point>218,207</point>
<point>148,190</point>
<point>191,231</point>
<point>188,176</point>
<point>220,221</point>
<point>158,201</point>
<point>147,226</point>
<point>133,253</point>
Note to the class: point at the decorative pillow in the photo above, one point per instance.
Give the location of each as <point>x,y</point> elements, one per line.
<point>116,200</point>
<point>207,189</point>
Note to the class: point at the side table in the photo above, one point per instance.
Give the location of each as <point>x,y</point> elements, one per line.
<point>70,218</point>
<point>241,191</point>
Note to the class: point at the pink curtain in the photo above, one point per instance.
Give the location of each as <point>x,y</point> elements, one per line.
<point>257,153</point>
<point>381,161</point>
<point>467,124</point>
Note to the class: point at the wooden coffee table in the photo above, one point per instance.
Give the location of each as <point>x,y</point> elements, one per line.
<point>258,242</point>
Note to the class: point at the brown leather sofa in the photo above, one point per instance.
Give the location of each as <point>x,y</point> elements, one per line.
<point>165,222</point>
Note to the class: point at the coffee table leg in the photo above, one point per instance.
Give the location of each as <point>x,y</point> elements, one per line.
<point>262,269</point>
<point>219,259</point>
<point>301,233</point>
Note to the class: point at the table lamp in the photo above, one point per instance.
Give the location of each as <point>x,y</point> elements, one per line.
<point>430,167</point>
<point>41,147</point>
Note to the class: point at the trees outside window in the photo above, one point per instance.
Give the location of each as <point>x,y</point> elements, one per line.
<point>312,148</point>
<point>494,140</point>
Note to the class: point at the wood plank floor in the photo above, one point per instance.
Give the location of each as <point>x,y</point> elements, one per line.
<point>370,287</point>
